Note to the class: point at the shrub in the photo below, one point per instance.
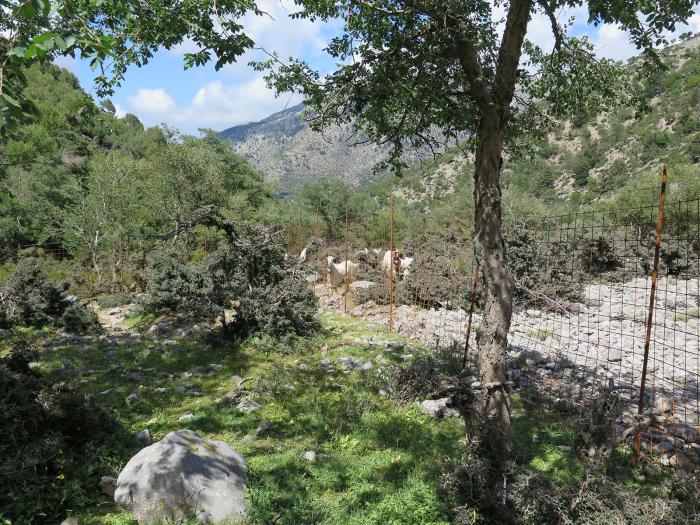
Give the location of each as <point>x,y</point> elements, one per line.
<point>49,436</point>
<point>80,319</point>
<point>30,298</point>
<point>249,274</point>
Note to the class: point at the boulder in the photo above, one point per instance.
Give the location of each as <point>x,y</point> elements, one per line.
<point>438,408</point>
<point>184,475</point>
<point>108,485</point>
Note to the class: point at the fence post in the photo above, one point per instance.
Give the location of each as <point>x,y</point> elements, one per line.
<point>347,282</point>
<point>650,316</point>
<point>475,279</point>
<point>299,234</point>
<point>391,268</point>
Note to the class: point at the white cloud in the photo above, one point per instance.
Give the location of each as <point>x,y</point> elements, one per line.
<point>152,101</point>
<point>215,105</point>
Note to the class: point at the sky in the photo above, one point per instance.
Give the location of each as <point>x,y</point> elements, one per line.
<point>163,92</point>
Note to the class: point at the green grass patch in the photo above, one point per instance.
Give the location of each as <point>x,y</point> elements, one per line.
<point>692,313</point>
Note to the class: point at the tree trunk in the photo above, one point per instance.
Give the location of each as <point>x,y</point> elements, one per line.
<point>492,336</point>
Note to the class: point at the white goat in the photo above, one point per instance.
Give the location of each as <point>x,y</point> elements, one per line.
<point>336,271</point>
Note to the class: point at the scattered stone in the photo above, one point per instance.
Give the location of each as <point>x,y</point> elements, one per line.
<point>438,408</point>
<point>681,461</point>
<point>288,387</point>
<point>159,482</point>
<point>248,406</point>
<point>144,436</point>
<point>70,521</point>
<point>362,285</point>
<point>236,380</point>
<point>309,456</point>
<point>180,389</point>
<point>324,363</point>
<point>663,404</point>
<point>476,385</point>
<point>160,390</point>
<point>108,485</point>
<point>136,377</point>
<point>303,367</point>
<point>132,398</point>
<point>263,428</point>
<point>196,393</point>
<point>683,431</point>
<point>366,366</point>
<point>152,421</point>
<point>186,417</point>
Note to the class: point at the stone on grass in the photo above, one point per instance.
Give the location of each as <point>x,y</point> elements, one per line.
<point>263,428</point>
<point>309,456</point>
<point>184,475</point>
<point>248,406</point>
<point>236,380</point>
<point>438,408</point>
<point>186,417</point>
<point>70,521</point>
<point>108,485</point>
<point>132,398</point>
<point>144,436</point>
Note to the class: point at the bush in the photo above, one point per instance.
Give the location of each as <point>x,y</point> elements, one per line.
<point>30,298</point>
<point>80,319</point>
<point>49,439</point>
<point>248,274</point>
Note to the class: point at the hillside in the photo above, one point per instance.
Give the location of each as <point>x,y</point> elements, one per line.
<point>585,159</point>
<point>289,153</point>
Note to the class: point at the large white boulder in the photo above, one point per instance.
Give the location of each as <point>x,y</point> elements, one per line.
<point>187,475</point>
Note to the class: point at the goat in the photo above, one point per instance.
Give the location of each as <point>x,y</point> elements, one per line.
<point>336,271</point>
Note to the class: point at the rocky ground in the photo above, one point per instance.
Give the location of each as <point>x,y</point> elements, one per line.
<point>598,342</point>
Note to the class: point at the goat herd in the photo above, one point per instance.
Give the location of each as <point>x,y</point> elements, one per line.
<point>338,271</point>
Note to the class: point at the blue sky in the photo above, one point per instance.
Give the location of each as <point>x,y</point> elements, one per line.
<point>163,92</point>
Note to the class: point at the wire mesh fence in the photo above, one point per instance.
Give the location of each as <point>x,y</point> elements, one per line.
<point>582,304</point>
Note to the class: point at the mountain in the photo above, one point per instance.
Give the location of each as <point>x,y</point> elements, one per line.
<point>288,152</point>
<point>587,158</point>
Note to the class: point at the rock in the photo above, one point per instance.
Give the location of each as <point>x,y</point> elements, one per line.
<point>144,436</point>
<point>438,408</point>
<point>108,485</point>
<point>70,521</point>
<point>136,377</point>
<point>309,456</point>
<point>152,421</point>
<point>186,417</point>
<point>263,428</point>
<point>614,355</point>
<point>184,472</point>
<point>248,406</point>
<point>303,367</point>
<point>132,398</point>
<point>236,380</point>
<point>683,431</point>
<point>180,389</point>
<point>663,404</point>
<point>366,366</point>
<point>361,285</point>
<point>160,390</point>
<point>681,461</point>
<point>324,363</point>
<point>114,311</point>
<point>476,385</point>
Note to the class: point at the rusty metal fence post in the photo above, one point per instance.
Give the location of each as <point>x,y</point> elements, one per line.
<point>391,268</point>
<point>347,280</point>
<point>650,315</point>
<point>475,279</point>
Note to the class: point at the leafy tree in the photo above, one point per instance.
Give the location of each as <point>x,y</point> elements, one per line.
<point>106,206</point>
<point>330,196</point>
<point>417,71</point>
<point>113,36</point>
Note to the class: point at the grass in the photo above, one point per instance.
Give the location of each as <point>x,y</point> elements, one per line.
<point>693,313</point>
<point>542,334</point>
<point>377,462</point>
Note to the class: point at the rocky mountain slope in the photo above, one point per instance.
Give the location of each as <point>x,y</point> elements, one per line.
<point>585,159</point>
<point>288,152</point>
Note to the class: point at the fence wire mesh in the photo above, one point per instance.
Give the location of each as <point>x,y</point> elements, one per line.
<point>581,304</point>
